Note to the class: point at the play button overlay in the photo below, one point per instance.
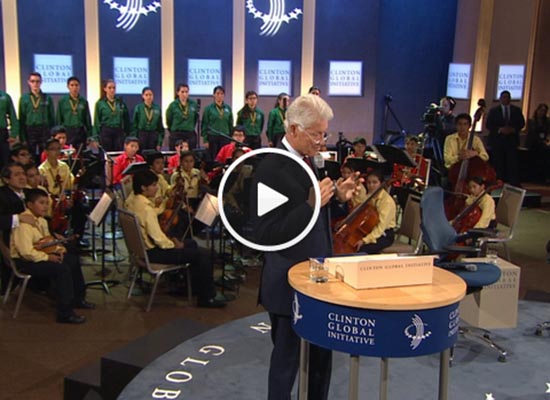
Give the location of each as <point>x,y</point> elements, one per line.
<point>263,199</point>
<point>268,199</point>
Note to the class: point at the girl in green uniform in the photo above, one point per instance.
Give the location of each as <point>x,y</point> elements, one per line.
<point>147,122</point>
<point>8,119</point>
<point>276,120</point>
<point>253,119</point>
<point>111,118</point>
<point>217,118</point>
<point>182,117</point>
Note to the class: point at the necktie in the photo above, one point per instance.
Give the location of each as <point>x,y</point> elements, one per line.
<point>506,114</point>
<point>307,160</point>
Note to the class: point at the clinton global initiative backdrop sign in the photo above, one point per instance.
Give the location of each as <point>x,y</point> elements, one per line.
<point>458,81</point>
<point>274,77</point>
<point>510,77</point>
<point>203,75</point>
<point>131,74</point>
<point>55,70</point>
<point>345,78</point>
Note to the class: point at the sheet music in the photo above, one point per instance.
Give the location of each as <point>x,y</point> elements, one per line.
<point>98,213</point>
<point>208,210</point>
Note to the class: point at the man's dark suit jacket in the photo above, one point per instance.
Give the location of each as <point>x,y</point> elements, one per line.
<point>287,177</point>
<point>10,204</point>
<point>495,121</point>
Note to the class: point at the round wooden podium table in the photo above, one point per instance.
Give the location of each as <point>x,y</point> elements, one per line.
<point>406,321</point>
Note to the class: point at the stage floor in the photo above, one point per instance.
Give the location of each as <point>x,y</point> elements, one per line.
<point>231,362</point>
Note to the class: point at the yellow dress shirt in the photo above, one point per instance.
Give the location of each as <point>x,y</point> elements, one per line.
<point>144,209</point>
<point>454,144</point>
<point>162,193</point>
<point>359,197</point>
<point>24,237</point>
<point>385,206</point>
<point>487,206</point>
<point>50,173</point>
<point>190,181</point>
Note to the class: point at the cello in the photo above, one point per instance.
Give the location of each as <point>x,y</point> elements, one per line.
<point>461,171</point>
<point>470,215</point>
<point>358,224</point>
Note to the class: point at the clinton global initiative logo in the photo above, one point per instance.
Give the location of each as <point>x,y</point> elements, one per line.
<point>416,331</point>
<point>131,11</point>
<point>273,19</point>
<point>296,316</point>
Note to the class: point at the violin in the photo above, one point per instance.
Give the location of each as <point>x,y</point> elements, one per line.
<point>178,198</point>
<point>60,221</point>
<point>358,224</point>
<point>52,245</point>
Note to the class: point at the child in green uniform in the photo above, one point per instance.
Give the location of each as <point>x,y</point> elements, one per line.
<point>182,117</point>
<point>36,116</point>
<point>73,112</point>
<point>147,122</point>
<point>217,118</point>
<point>276,120</point>
<point>8,119</point>
<point>253,119</point>
<point>111,118</point>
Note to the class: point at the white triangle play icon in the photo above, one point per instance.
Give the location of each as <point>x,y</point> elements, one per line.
<point>269,199</point>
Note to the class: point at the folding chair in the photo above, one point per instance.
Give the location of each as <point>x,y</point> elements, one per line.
<point>137,253</point>
<point>15,273</point>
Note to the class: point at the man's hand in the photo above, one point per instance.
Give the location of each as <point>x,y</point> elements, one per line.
<point>326,187</point>
<point>506,130</point>
<point>467,154</point>
<point>56,258</point>
<point>346,189</point>
<point>358,244</point>
<point>27,219</point>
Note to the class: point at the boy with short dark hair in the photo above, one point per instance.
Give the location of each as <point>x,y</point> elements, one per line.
<point>29,244</point>
<point>130,156</point>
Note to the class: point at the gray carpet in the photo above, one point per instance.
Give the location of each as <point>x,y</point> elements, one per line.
<point>241,371</point>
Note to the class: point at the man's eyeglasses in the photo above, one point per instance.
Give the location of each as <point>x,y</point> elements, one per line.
<point>317,137</point>
<point>35,80</point>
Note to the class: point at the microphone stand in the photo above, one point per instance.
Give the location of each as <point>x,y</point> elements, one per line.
<point>114,234</point>
<point>198,123</point>
<point>388,110</point>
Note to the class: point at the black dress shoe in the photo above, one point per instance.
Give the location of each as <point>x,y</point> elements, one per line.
<point>72,319</point>
<point>84,243</point>
<point>84,305</point>
<point>211,303</point>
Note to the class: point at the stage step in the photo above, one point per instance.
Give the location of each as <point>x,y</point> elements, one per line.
<point>106,378</point>
<point>83,383</point>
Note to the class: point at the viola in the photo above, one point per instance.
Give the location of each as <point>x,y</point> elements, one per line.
<point>358,224</point>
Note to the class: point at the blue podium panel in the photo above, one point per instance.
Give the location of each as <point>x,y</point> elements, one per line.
<point>376,333</point>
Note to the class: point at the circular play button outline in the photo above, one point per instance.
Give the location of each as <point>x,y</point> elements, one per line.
<point>316,208</point>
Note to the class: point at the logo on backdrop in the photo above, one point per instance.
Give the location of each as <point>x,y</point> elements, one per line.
<point>296,316</point>
<point>420,332</point>
<point>275,18</point>
<point>131,12</point>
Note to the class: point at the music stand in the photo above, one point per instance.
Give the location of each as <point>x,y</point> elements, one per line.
<point>97,217</point>
<point>333,170</point>
<point>394,155</point>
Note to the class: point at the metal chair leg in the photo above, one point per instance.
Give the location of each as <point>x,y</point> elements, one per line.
<point>20,297</point>
<point>189,289</point>
<point>157,279</point>
<point>485,337</point>
<point>132,284</point>
<point>8,289</point>
<point>543,326</point>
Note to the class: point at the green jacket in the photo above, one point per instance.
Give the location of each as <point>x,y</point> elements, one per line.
<point>74,114</point>
<point>217,119</point>
<point>253,122</point>
<point>179,118</point>
<point>7,115</point>
<point>148,119</point>
<point>35,111</point>
<point>275,123</point>
<point>111,115</point>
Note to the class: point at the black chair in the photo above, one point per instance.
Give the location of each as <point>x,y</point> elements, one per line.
<point>440,238</point>
<point>544,326</point>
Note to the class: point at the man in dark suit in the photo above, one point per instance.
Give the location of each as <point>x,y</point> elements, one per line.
<point>504,123</point>
<point>11,204</point>
<point>306,123</point>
